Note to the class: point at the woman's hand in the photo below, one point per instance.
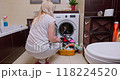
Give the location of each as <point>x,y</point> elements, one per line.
<point>58,39</point>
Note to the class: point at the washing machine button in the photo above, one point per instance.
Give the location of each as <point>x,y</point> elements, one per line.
<point>66,16</point>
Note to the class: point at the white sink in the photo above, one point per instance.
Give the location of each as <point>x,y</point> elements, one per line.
<point>12,29</point>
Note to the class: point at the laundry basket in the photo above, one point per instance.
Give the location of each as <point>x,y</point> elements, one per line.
<point>67,52</point>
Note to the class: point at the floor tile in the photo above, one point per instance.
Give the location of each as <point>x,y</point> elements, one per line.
<point>58,59</point>
<point>77,59</point>
<point>25,58</point>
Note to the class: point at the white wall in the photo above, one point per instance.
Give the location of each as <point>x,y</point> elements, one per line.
<point>19,10</point>
<point>4,8</point>
<point>81,4</point>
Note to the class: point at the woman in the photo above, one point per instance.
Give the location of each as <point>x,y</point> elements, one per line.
<point>41,42</point>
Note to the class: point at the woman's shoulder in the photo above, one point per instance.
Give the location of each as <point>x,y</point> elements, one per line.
<point>48,16</point>
<point>49,19</point>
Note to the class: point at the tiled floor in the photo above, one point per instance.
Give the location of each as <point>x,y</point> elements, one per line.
<point>56,59</point>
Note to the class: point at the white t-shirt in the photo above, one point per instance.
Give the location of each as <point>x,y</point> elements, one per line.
<point>39,33</point>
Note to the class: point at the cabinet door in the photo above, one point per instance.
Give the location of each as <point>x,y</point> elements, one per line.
<point>87,32</point>
<point>101,30</point>
<point>18,39</point>
<point>5,47</point>
<point>26,33</point>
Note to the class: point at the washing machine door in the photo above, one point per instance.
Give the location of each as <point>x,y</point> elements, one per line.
<point>66,27</point>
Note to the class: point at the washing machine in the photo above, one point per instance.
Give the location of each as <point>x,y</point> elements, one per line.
<point>68,22</point>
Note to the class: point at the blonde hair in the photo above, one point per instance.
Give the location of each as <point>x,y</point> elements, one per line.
<point>47,7</point>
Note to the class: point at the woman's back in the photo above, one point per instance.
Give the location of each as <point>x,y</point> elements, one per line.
<point>39,32</point>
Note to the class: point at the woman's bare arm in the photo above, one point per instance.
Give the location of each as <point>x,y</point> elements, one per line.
<point>51,32</point>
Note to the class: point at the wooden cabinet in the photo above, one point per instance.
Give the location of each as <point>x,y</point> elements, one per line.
<point>87,31</point>
<point>98,29</point>
<point>93,6</point>
<point>5,47</point>
<point>18,39</point>
<point>12,46</point>
<point>117,10</point>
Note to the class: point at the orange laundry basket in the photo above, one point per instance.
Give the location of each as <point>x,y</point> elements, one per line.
<point>115,32</point>
<point>67,52</point>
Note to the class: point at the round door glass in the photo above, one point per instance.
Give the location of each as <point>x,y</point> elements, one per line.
<point>66,28</point>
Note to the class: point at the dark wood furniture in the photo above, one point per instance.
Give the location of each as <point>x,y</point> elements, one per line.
<point>93,6</point>
<point>29,22</point>
<point>6,47</point>
<point>98,29</point>
<point>117,10</point>
<point>12,46</point>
